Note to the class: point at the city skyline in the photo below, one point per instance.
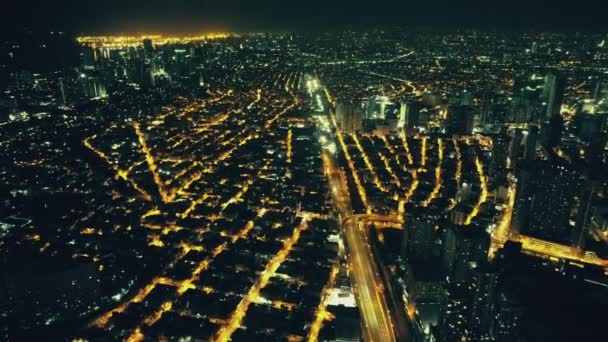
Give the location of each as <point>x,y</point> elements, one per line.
<point>338,180</point>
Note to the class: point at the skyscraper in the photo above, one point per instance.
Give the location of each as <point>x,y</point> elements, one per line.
<point>551,131</point>
<point>600,92</point>
<point>370,107</point>
<point>455,319</point>
<point>146,76</point>
<point>464,247</point>
<point>375,107</point>
<point>553,93</point>
<point>594,154</point>
<point>521,108</point>
<point>347,323</point>
<point>92,87</point>
<point>521,207</point>
<point>62,92</point>
<point>551,195</point>
<point>483,290</point>
<point>349,116</point>
<point>418,236</point>
<point>509,315</point>
<point>515,145</point>
<point>590,121</point>
<point>401,117</point>
<point>579,234</point>
<point>500,153</point>
<point>488,102</point>
<point>460,120</point>
<point>148,48</point>
<point>466,98</point>
<point>87,58</point>
<point>531,142</point>
<point>412,115</point>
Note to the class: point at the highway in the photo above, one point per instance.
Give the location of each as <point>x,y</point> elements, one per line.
<point>377,325</point>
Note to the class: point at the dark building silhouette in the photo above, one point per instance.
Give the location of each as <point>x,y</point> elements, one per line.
<point>545,200</point>
<point>460,120</point>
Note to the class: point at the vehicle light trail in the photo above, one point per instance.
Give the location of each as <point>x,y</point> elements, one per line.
<point>363,270</point>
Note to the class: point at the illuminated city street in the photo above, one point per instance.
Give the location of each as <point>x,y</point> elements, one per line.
<point>374,310</point>
<point>321,171</point>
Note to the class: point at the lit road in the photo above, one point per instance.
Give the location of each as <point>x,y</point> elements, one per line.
<point>364,273</point>
<point>535,246</point>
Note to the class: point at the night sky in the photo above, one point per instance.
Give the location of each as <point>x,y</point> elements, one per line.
<point>108,16</point>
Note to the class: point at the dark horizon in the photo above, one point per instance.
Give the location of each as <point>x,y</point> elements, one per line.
<point>238,16</point>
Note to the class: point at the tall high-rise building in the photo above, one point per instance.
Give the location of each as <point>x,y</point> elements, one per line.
<point>551,131</point>
<point>553,93</point>
<point>401,116</point>
<point>412,115</point>
<point>370,107</point>
<point>595,153</point>
<point>484,290</point>
<point>500,152</point>
<point>464,247</point>
<point>600,92</point>
<point>62,92</point>
<point>547,197</point>
<point>146,76</point>
<point>349,116</point>
<point>87,58</point>
<point>515,146</point>
<point>531,143</point>
<point>460,120</point>
<point>376,107</point>
<point>583,215</point>
<point>521,108</point>
<point>466,98</point>
<point>455,319</point>
<point>347,324</point>
<point>488,103</point>
<point>418,236</point>
<point>523,197</point>
<point>590,120</point>
<point>148,47</point>
<point>92,87</point>
<point>509,315</point>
